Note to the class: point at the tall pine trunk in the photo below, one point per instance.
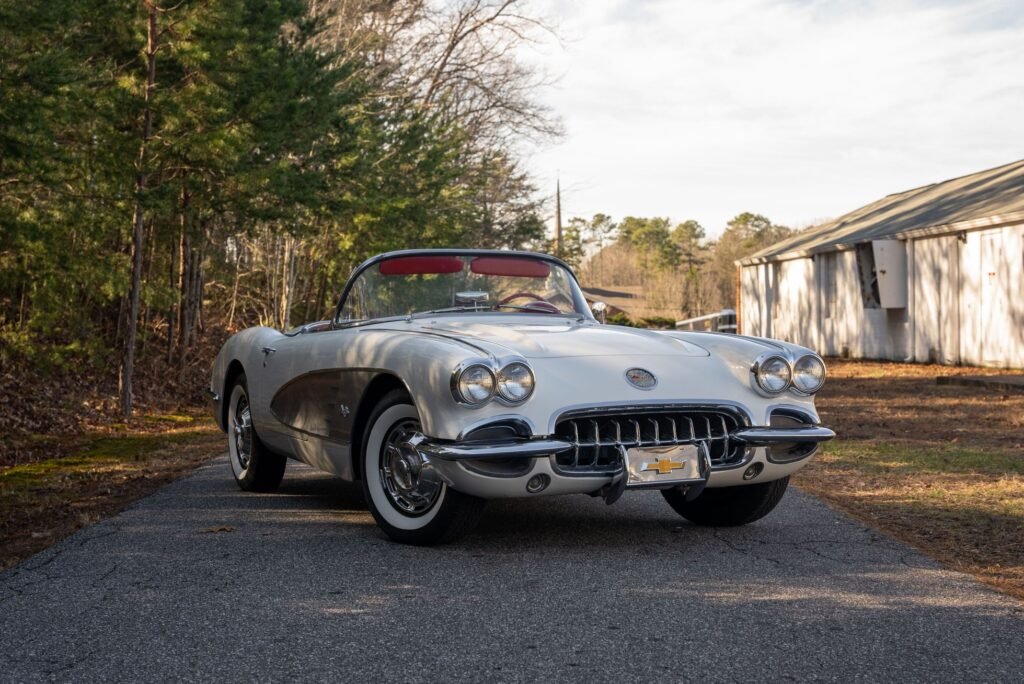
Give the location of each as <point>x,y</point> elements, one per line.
<point>128,359</point>
<point>234,288</point>
<point>177,273</point>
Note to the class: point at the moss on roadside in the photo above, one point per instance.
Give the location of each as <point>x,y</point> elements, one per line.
<point>912,458</point>
<point>92,477</point>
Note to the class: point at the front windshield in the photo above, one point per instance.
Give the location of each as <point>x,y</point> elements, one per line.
<point>432,283</point>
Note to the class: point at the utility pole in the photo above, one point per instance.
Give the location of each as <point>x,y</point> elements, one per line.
<point>558,217</point>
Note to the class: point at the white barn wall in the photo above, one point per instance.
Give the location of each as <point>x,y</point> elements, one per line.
<point>965,303</point>
<point>751,301</point>
<point>795,313</point>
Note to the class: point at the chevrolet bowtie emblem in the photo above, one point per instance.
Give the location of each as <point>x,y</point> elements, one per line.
<point>664,466</point>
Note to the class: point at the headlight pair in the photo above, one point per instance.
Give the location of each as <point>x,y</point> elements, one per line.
<point>775,374</point>
<point>478,383</point>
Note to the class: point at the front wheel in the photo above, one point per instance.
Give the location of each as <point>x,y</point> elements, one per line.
<point>728,506</point>
<point>406,497</point>
<point>255,467</point>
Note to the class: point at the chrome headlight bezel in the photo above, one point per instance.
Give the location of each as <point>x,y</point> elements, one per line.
<point>809,389</point>
<point>498,370</point>
<point>505,382</point>
<point>460,391</point>
<point>759,372</point>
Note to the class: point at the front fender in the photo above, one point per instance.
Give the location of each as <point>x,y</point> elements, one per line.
<point>241,349</point>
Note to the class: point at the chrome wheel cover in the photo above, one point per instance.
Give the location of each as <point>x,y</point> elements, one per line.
<point>243,432</point>
<point>411,488</point>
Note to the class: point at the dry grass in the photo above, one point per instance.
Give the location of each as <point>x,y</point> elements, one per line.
<point>94,476</point>
<point>939,467</point>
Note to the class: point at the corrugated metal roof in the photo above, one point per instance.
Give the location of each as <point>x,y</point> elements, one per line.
<point>991,197</point>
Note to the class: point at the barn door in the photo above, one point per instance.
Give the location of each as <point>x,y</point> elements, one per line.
<point>828,303</point>
<point>995,310</point>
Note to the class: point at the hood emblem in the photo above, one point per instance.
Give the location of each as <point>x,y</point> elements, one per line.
<point>641,379</point>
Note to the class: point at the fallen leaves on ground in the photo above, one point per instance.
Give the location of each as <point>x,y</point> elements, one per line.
<point>938,466</point>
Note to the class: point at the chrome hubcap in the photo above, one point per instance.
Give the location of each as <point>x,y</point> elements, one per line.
<point>243,432</point>
<point>410,483</point>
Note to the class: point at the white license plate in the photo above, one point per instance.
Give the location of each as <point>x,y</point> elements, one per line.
<point>666,465</point>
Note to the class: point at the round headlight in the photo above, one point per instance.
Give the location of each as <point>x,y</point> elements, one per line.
<point>475,384</point>
<point>808,374</point>
<point>773,374</point>
<point>515,382</point>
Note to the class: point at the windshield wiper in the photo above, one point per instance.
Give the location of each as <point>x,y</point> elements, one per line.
<point>483,309</point>
<point>573,314</point>
<point>453,309</point>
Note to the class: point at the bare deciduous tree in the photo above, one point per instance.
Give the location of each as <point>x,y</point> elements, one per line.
<point>461,62</point>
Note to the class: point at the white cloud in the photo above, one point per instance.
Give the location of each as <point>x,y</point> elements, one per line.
<point>799,110</point>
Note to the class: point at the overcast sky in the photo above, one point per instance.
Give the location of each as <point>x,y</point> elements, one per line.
<point>800,110</point>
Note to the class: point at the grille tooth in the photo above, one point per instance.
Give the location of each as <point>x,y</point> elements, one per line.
<point>576,443</point>
<point>597,439</point>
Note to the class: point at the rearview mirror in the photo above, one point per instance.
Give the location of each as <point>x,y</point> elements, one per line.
<point>600,309</point>
<point>475,298</point>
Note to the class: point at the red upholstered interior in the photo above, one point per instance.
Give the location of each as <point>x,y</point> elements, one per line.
<point>517,267</point>
<point>420,265</point>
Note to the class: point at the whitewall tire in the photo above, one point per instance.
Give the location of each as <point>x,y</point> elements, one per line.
<point>406,497</point>
<point>254,466</point>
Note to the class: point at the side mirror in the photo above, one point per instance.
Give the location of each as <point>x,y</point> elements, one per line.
<point>600,310</point>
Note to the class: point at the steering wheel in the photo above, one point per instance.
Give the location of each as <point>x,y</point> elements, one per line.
<point>538,303</point>
<point>519,295</point>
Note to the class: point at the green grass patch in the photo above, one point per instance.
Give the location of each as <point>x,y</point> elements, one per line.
<point>896,458</point>
<point>176,418</point>
<point>99,455</point>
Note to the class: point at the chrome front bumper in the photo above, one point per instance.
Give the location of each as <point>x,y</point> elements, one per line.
<point>535,448</point>
<point>455,462</point>
<point>767,436</point>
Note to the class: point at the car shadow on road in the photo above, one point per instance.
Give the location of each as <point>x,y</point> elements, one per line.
<point>539,523</point>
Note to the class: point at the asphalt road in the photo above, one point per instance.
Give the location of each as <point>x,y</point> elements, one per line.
<point>203,582</point>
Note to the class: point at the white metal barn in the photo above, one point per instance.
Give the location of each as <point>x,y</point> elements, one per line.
<point>930,274</point>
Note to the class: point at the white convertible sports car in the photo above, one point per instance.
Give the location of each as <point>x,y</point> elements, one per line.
<point>449,377</point>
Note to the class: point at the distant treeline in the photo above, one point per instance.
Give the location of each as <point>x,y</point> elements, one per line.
<point>681,273</point>
<point>171,168</point>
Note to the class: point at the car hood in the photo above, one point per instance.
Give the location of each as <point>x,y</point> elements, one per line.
<point>546,339</point>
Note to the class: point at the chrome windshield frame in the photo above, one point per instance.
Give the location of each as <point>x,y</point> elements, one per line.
<point>579,303</point>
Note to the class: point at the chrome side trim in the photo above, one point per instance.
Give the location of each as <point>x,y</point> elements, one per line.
<point>767,436</point>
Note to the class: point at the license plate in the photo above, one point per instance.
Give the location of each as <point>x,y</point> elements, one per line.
<point>666,465</point>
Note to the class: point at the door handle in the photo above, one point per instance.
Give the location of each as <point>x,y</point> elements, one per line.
<point>269,350</point>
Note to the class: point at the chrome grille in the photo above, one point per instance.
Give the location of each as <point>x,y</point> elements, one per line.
<point>597,438</point>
